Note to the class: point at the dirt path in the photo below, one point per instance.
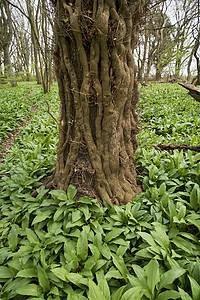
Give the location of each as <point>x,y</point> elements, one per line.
<point>8,142</point>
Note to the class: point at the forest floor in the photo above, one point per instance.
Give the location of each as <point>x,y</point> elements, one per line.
<point>52,247</point>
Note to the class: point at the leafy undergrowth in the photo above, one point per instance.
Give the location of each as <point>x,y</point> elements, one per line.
<point>55,248</point>
<point>14,107</point>
<point>168,114</point>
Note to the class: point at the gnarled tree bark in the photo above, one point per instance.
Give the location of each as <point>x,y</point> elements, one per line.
<point>98,94</point>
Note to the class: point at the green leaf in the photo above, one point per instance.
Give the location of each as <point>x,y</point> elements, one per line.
<point>94,292</point>
<point>113,234</point>
<point>184,295</point>
<point>75,296</point>
<point>84,208</point>
<point>27,273</point>
<point>70,250</point>
<point>77,279</point>
<point>160,236</point>
<point>60,273</point>
<point>71,192</point>
<point>41,217</point>
<point>120,265</point>
<point>43,279</point>
<point>148,238</point>
<point>152,273</point>
<point>76,215</point>
<point>5,272</point>
<point>113,273</point>
<point>31,236</point>
<point>195,197</point>
<point>13,238</point>
<point>168,295</point>
<point>28,290</point>
<point>118,293</point>
<point>169,277</point>
<point>132,294</point>
<point>82,244</point>
<point>59,194</point>
<point>103,285</point>
<point>195,288</point>
<point>98,240</point>
<point>162,189</point>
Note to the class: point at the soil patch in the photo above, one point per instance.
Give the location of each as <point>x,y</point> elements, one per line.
<point>9,141</point>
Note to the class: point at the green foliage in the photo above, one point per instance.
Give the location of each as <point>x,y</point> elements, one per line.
<point>15,107</point>
<point>52,247</point>
<point>168,114</point>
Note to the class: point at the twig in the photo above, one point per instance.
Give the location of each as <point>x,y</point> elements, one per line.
<point>50,112</point>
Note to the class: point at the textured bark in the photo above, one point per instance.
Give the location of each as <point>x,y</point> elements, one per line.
<point>193,90</point>
<point>98,94</point>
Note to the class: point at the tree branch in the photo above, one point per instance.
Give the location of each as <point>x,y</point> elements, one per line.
<point>48,110</point>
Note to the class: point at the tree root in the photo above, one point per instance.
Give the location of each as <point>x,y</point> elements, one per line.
<point>175,146</point>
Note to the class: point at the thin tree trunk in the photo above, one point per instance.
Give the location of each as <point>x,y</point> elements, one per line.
<point>98,92</point>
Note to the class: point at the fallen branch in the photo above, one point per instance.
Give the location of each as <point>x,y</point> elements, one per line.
<point>50,112</point>
<point>193,90</point>
<point>176,146</point>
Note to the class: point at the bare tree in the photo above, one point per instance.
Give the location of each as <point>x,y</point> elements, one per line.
<point>6,32</point>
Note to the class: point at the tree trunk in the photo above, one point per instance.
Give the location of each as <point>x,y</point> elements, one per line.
<point>95,71</point>
<point>8,71</point>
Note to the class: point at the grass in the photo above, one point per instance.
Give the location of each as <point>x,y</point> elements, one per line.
<point>54,248</point>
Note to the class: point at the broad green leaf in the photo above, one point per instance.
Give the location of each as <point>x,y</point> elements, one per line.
<point>195,288</point>
<point>75,296</point>
<point>70,250</point>
<point>118,293</point>
<point>98,240</point>
<point>5,272</point>
<point>172,210</point>
<point>162,189</point>
<point>169,277</point>
<point>184,295</point>
<point>113,234</point>
<point>105,251</point>
<point>94,292</point>
<point>148,238</point>
<point>168,295</point>
<point>84,208</point>
<point>31,236</point>
<point>71,192</point>
<point>76,215</point>
<point>195,196</point>
<point>59,194</point>
<point>29,290</point>
<point>160,236</point>
<point>120,265</point>
<point>184,244</point>
<point>132,294</point>
<point>77,279</point>
<point>43,279</point>
<point>41,217</point>
<point>58,213</point>
<point>13,238</point>
<point>95,252</point>
<point>182,212</point>
<point>82,244</point>
<point>103,285</point>
<point>113,273</point>
<point>152,273</point>
<point>27,273</point>
<point>60,273</point>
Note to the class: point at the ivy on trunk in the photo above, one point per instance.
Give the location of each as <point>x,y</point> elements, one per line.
<point>95,71</point>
